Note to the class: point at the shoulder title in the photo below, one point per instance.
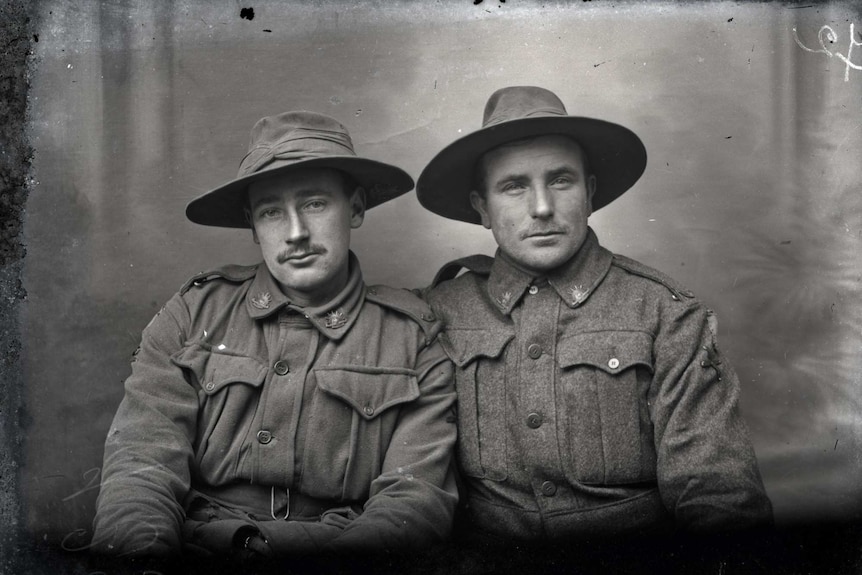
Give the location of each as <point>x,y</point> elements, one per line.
<point>480,264</point>
<point>234,273</point>
<point>634,267</point>
<point>407,303</point>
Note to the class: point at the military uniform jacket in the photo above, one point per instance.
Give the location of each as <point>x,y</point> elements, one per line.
<point>593,401</point>
<point>350,403</point>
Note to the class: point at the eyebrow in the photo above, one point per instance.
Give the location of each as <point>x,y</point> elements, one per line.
<point>564,170</point>
<point>300,195</point>
<point>270,199</point>
<point>558,171</point>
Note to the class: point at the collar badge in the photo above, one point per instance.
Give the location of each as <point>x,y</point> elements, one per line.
<point>503,301</point>
<point>578,294</point>
<point>262,300</point>
<point>335,319</point>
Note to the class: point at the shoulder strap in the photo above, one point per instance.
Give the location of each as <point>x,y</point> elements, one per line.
<point>230,272</point>
<point>639,269</point>
<point>406,302</point>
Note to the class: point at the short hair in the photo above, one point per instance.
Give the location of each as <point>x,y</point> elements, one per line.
<point>479,180</point>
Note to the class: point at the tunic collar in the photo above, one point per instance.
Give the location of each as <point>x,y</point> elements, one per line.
<point>574,281</point>
<point>333,319</point>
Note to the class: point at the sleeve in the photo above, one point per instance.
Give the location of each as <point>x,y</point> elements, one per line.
<point>707,471</point>
<point>148,451</point>
<point>412,502</point>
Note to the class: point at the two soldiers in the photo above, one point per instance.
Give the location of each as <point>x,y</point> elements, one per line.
<point>287,408</point>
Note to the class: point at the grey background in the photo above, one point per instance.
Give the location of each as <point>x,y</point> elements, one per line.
<point>751,196</point>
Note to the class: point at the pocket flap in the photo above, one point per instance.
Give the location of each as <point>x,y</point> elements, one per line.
<point>369,391</point>
<point>215,370</point>
<point>611,351</point>
<point>464,345</point>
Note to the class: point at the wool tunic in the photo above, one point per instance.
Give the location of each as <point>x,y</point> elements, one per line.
<point>593,401</point>
<point>239,401</point>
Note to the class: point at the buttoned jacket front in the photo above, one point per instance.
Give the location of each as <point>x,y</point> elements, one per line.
<point>593,401</point>
<point>350,403</point>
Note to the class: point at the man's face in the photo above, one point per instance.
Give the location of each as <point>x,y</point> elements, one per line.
<point>302,222</point>
<point>536,201</point>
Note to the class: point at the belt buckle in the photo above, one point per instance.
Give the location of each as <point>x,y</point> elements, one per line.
<point>272,504</point>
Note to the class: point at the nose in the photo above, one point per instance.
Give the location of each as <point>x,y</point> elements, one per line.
<point>541,203</point>
<point>296,231</point>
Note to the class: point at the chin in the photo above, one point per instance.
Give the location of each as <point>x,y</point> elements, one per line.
<point>547,262</point>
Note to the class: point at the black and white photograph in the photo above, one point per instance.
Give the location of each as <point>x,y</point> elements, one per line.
<point>452,286</point>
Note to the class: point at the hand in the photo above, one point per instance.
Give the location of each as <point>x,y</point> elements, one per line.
<point>251,546</point>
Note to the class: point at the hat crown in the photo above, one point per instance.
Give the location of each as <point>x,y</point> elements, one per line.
<point>293,137</point>
<point>516,102</point>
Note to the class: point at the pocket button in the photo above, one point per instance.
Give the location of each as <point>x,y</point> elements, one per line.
<point>613,363</point>
<point>534,421</point>
<point>368,410</point>
<point>534,351</point>
<point>281,367</point>
<point>264,436</point>
<point>549,489</point>
<point>210,386</point>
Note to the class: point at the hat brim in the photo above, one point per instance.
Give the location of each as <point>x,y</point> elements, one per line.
<point>616,156</point>
<point>225,206</point>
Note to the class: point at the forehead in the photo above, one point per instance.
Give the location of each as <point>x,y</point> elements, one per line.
<point>551,151</point>
<point>297,183</point>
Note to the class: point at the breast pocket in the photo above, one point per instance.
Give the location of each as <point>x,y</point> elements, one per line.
<point>480,380</point>
<point>353,415</point>
<point>605,378</point>
<point>229,392</point>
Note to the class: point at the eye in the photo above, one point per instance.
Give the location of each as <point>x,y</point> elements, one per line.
<point>562,181</point>
<point>268,213</point>
<point>314,206</point>
<point>512,187</point>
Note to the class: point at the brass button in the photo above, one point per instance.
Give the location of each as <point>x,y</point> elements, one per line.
<point>368,410</point>
<point>264,436</point>
<point>281,367</point>
<point>210,386</point>
<point>549,489</point>
<point>533,290</point>
<point>534,351</point>
<point>534,421</point>
<point>613,363</point>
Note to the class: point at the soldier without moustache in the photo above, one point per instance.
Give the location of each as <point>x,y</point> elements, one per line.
<point>592,398</point>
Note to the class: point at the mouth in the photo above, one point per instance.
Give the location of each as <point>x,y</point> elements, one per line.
<point>298,258</point>
<point>543,234</point>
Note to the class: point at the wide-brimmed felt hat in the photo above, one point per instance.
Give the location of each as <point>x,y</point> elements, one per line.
<point>615,154</point>
<point>292,141</point>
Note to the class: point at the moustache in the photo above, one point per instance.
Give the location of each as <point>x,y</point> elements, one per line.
<point>300,252</point>
<point>541,231</point>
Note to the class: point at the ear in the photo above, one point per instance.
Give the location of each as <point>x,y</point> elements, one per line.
<point>480,205</point>
<point>591,191</point>
<point>248,219</point>
<point>357,207</point>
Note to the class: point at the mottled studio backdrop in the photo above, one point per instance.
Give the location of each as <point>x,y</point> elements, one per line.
<point>751,115</point>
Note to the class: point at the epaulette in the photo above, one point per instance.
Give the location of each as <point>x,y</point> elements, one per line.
<point>230,272</point>
<point>408,303</point>
<point>639,269</point>
<point>480,264</point>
